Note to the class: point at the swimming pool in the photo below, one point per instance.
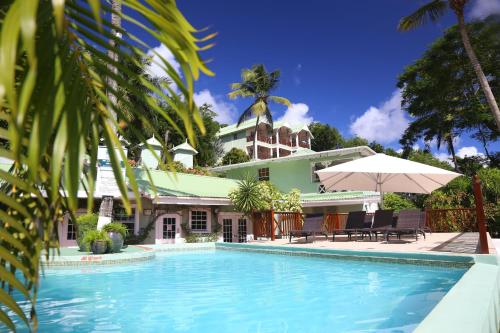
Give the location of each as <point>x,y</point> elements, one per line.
<point>231,291</point>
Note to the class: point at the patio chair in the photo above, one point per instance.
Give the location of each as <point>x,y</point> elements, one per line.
<point>382,221</point>
<point>409,222</point>
<point>354,225</point>
<point>423,225</point>
<point>313,225</point>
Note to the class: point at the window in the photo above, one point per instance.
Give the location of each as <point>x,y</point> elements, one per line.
<point>120,215</point>
<point>264,174</point>
<point>199,220</point>
<point>71,232</point>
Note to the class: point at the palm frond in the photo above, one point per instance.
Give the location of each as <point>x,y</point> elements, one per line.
<point>431,11</point>
<point>269,116</point>
<point>55,88</point>
<point>245,115</point>
<point>280,100</point>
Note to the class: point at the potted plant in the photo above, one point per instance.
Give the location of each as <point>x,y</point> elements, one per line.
<point>117,233</point>
<point>96,241</point>
<point>85,223</point>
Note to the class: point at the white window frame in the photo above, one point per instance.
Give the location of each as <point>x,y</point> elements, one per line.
<point>268,174</point>
<point>209,219</point>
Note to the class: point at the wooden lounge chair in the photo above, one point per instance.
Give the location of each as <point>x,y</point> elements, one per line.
<point>354,225</point>
<point>409,222</point>
<point>313,225</point>
<point>382,221</point>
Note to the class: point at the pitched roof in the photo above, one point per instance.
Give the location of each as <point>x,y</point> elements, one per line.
<point>152,141</point>
<point>183,184</point>
<point>304,155</point>
<point>184,146</point>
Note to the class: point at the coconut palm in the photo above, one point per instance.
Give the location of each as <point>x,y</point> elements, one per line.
<point>257,83</point>
<point>55,71</point>
<point>433,11</point>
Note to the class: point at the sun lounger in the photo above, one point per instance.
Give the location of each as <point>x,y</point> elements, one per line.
<point>354,225</point>
<point>313,225</point>
<point>409,222</point>
<point>382,221</point>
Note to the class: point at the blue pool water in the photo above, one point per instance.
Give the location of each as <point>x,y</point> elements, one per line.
<point>226,291</point>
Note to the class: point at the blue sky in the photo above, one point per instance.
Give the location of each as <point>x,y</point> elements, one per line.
<point>339,60</point>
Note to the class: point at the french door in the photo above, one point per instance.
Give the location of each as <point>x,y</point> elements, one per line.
<point>234,228</point>
<point>167,228</point>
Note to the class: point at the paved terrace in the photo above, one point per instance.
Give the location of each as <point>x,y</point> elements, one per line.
<point>440,242</point>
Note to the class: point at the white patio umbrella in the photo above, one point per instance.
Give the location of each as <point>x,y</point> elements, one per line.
<point>383,173</point>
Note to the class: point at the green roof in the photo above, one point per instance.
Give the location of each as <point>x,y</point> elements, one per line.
<point>184,184</point>
<point>329,196</point>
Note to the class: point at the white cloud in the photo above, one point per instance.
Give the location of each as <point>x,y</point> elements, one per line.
<point>444,157</point>
<point>416,146</point>
<point>384,124</point>
<point>156,66</point>
<point>483,8</point>
<point>468,151</point>
<point>297,114</point>
<point>226,112</point>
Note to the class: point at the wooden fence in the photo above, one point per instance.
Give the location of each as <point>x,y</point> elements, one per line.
<point>451,220</point>
<point>278,224</point>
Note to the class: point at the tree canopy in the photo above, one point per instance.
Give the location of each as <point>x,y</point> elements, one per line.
<point>441,92</point>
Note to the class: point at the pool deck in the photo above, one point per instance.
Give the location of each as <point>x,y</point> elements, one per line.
<point>463,243</point>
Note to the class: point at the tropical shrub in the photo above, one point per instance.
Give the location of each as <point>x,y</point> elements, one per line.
<point>255,196</point>
<point>235,156</point>
<point>94,235</point>
<point>116,227</point>
<point>397,202</point>
<point>85,223</point>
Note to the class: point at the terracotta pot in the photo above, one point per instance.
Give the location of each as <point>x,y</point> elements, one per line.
<point>99,247</point>
<point>117,240</point>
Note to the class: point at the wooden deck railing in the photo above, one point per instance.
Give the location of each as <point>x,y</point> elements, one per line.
<point>271,224</point>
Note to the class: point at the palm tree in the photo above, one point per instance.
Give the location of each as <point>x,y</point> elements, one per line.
<point>433,11</point>
<point>55,68</point>
<point>258,84</point>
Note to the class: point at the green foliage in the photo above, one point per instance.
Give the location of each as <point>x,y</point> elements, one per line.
<point>116,227</point>
<point>59,97</point>
<point>95,235</point>
<point>85,223</point>
<point>254,196</point>
<point>397,202</point>
<point>247,197</point>
<point>325,137</point>
<point>444,100</point>
<point>235,156</point>
<point>196,237</point>
<point>354,142</point>
<point>377,147</point>
<point>425,157</point>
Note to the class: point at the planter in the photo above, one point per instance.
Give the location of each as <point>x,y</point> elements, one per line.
<point>117,240</point>
<point>99,247</point>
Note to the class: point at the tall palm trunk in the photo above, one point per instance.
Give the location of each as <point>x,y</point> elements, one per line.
<point>116,22</point>
<point>106,207</point>
<point>490,98</point>
<point>451,149</point>
<point>255,139</point>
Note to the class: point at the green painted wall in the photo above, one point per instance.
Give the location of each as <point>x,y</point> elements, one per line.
<point>286,175</point>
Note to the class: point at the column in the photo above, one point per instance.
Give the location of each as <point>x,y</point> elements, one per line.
<point>278,142</point>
